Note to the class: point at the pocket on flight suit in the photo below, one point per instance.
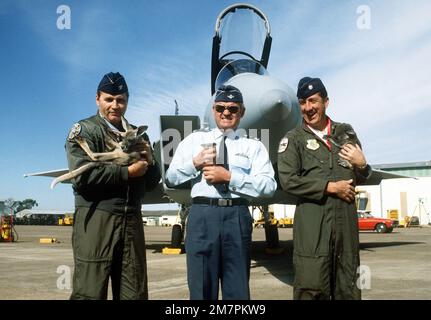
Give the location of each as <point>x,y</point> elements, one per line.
<point>312,277</point>
<point>315,162</point>
<point>95,233</point>
<point>311,230</point>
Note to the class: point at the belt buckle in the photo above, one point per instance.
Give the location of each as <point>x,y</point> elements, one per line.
<point>224,202</point>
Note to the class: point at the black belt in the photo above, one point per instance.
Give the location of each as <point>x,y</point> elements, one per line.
<point>221,202</point>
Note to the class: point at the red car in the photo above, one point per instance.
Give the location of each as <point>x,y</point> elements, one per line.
<point>381,225</point>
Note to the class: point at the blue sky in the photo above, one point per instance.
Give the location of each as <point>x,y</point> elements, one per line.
<point>377,78</point>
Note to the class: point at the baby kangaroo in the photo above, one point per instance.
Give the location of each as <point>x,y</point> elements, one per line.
<point>343,134</point>
<point>131,148</point>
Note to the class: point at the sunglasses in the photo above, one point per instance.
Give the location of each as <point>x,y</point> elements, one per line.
<point>232,109</point>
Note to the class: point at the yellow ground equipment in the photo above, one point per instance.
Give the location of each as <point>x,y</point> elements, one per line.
<point>261,222</point>
<point>7,230</point>
<point>176,240</point>
<point>65,221</point>
<point>167,250</point>
<point>412,221</point>
<point>392,214</point>
<point>285,222</point>
<point>48,240</point>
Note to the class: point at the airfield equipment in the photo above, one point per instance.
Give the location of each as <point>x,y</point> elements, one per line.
<point>65,221</point>
<point>7,230</point>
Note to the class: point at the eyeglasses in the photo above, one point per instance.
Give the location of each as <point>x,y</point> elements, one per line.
<point>232,109</point>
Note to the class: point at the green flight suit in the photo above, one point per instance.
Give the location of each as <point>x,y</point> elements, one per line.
<point>325,231</point>
<point>108,237</point>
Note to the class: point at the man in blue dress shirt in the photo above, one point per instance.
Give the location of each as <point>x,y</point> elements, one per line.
<point>226,170</point>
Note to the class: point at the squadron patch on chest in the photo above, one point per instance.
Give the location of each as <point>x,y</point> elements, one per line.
<point>74,131</point>
<point>312,144</point>
<point>283,145</point>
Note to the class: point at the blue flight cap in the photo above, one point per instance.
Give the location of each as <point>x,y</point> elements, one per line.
<point>228,94</point>
<point>308,86</point>
<point>113,83</point>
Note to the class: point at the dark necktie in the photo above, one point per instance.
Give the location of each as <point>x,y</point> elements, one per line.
<point>225,155</point>
<point>225,188</point>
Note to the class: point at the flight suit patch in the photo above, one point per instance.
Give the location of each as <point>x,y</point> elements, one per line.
<point>74,132</point>
<point>283,145</point>
<point>312,144</point>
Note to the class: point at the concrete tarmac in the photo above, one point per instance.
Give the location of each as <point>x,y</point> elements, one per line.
<point>398,265</point>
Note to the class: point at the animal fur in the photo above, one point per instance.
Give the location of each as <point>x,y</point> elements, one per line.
<point>342,135</point>
<point>129,150</point>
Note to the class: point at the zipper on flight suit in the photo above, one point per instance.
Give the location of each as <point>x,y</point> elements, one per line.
<point>127,199</point>
<point>334,254</point>
<point>330,159</point>
<point>125,218</point>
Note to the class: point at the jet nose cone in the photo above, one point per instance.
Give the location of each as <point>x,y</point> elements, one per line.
<point>275,105</point>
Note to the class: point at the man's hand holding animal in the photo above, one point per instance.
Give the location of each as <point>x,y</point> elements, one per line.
<point>147,154</point>
<point>354,155</point>
<point>137,169</point>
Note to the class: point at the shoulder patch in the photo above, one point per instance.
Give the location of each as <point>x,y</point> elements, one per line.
<point>74,131</point>
<point>283,145</point>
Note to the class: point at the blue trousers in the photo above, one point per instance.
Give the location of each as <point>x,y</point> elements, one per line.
<point>218,244</point>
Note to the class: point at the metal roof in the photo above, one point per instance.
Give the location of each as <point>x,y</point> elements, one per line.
<point>410,169</point>
<point>408,165</point>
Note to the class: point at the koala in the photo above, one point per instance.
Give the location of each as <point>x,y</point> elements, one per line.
<point>341,135</point>
<point>130,149</point>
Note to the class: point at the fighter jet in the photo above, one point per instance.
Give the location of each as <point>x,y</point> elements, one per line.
<point>272,108</point>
